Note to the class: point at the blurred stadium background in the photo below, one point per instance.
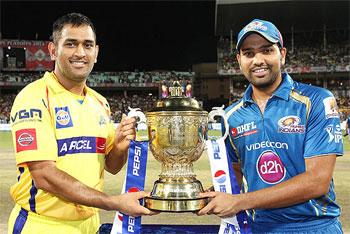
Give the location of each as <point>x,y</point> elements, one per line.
<point>316,34</point>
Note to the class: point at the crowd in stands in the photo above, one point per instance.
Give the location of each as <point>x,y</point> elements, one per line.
<point>120,103</point>
<point>136,78</point>
<point>303,55</point>
<point>107,78</point>
<point>19,78</point>
<point>6,101</point>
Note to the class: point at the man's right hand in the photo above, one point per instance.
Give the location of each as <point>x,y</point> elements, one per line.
<point>128,203</point>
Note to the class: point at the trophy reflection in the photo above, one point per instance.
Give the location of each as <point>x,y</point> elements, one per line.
<point>177,126</point>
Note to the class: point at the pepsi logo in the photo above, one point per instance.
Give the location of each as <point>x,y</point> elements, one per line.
<point>25,139</point>
<point>220,176</point>
<point>120,217</point>
<point>133,190</point>
<point>62,117</point>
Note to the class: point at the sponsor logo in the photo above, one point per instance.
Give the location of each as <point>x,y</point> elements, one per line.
<point>330,108</point>
<point>102,121</point>
<point>120,217</point>
<point>76,145</point>
<point>220,176</point>
<point>26,140</point>
<point>267,144</point>
<point>244,130</point>
<point>290,124</point>
<point>256,25</point>
<point>131,219</point>
<point>222,188</point>
<point>270,167</point>
<point>136,164</point>
<point>27,115</point>
<point>63,118</point>
<point>131,224</point>
<point>334,133</point>
<point>133,190</point>
<point>216,149</point>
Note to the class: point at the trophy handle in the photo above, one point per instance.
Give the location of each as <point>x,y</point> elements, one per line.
<point>141,120</point>
<point>219,111</point>
<point>136,112</point>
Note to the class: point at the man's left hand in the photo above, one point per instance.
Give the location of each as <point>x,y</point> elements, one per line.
<point>221,204</point>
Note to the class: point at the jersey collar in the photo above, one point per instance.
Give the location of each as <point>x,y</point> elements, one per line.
<point>55,86</point>
<point>282,92</point>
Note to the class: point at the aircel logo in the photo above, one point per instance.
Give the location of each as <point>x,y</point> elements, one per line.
<point>270,168</point>
<point>290,124</point>
<point>81,144</point>
<point>244,130</point>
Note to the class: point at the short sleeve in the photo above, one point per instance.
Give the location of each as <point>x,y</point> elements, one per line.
<point>323,130</point>
<point>111,134</point>
<point>231,149</point>
<point>32,129</point>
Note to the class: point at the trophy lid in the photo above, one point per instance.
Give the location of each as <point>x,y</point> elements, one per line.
<point>177,101</point>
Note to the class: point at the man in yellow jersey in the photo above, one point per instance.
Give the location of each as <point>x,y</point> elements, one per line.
<point>64,140</point>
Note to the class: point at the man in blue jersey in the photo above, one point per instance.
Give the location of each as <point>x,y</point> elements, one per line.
<point>284,139</point>
<point>347,127</point>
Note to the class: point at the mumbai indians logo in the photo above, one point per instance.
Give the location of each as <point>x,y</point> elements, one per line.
<point>290,124</point>
<point>256,25</point>
<point>220,176</point>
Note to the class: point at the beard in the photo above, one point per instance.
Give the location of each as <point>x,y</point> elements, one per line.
<point>263,82</point>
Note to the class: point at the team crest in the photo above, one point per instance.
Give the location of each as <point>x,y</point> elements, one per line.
<point>290,124</point>
<point>63,117</point>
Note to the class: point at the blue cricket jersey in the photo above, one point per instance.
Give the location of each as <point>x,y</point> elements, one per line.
<point>300,121</point>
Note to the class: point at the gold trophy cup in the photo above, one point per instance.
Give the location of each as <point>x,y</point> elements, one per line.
<point>177,126</point>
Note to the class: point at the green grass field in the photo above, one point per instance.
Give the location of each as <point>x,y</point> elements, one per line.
<point>113,185</point>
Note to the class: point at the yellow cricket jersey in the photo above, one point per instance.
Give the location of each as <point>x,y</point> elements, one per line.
<point>50,123</point>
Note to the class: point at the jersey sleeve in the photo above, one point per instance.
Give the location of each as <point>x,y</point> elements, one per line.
<point>111,134</point>
<point>231,149</point>
<point>323,130</point>
<point>32,129</point>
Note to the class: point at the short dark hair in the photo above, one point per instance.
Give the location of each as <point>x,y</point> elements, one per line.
<point>75,19</point>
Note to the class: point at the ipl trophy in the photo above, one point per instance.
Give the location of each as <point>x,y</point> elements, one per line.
<point>177,126</point>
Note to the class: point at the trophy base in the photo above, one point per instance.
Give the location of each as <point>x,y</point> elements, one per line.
<point>176,195</point>
<point>175,205</point>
